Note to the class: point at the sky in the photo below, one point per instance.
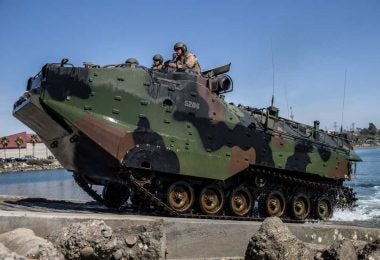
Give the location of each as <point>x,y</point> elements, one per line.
<point>317,54</point>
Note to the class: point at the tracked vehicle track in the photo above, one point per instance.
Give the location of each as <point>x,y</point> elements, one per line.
<point>162,208</point>
<point>87,188</point>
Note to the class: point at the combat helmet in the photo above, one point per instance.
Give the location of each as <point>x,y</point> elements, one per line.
<point>158,57</point>
<point>180,45</point>
<point>131,61</point>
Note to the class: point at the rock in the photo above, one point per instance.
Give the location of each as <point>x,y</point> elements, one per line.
<point>274,241</point>
<point>141,241</point>
<point>347,251</point>
<point>316,249</point>
<point>92,239</point>
<point>95,240</point>
<point>340,249</point>
<point>24,242</point>
<point>87,252</point>
<point>5,253</point>
<point>131,240</point>
<point>118,254</point>
<point>370,251</point>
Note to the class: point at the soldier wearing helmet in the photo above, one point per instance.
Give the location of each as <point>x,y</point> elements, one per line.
<point>183,59</point>
<point>158,62</point>
<point>131,62</point>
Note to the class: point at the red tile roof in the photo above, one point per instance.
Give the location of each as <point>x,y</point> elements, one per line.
<point>12,140</point>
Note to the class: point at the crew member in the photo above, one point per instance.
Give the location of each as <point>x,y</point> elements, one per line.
<point>131,62</point>
<point>183,59</point>
<point>158,62</point>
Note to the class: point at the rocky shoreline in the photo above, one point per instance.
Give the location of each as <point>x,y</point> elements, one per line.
<point>367,145</point>
<point>274,240</point>
<point>29,166</point>
<point>94,239</point>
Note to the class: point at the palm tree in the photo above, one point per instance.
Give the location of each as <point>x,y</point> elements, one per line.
<point>33,141</point>
<point>19,142</point>
<point>4,142</point>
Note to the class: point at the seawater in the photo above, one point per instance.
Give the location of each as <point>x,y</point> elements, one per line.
<point>50,184</point>
<point>59,184</point>
<point>366,183</point>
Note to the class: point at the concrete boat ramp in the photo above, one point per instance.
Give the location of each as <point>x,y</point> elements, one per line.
<point>183,238</point>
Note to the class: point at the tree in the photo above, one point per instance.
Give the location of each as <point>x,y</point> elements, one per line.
<point>372,129</point>
<point>33,141</point>
<point>19,142</point>
<point>364,131</point>
<point>4,142</point>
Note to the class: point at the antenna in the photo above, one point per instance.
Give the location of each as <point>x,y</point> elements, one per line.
<point>272,101</point>
<point>286,99</point>
<point>344,97</point>
<point>291,113</point>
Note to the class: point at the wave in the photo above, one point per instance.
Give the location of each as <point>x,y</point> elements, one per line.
<point>371,204</point>
<point>365,185</point>
<point>367,209</point>
<point>356,214</point>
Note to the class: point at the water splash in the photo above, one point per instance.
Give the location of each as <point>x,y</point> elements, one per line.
<point>357,214</point>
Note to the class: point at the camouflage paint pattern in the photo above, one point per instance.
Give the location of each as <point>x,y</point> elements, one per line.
<point>105,118</point>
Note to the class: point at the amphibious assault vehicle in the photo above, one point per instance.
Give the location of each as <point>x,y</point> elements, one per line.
<point>167,142</point>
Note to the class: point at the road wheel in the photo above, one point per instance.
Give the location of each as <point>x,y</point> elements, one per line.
<point>324,210</point>
<point>211,200</point>
<point>241,201</point>
<point>180,196</point>
<point>300,206</point>
<point>274,204</point>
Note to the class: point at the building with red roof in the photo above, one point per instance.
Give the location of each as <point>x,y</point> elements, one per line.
<point>37,149</point>
<point>25,137</point>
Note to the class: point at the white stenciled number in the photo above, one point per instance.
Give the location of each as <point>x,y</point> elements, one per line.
<point>191,104</point>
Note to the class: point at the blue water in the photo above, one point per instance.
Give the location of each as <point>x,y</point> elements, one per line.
<point>59,184</point>
<point>50,184</point>
<point>366,183</point>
